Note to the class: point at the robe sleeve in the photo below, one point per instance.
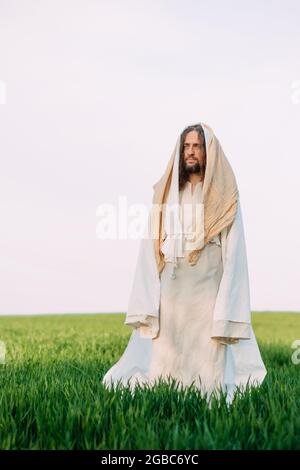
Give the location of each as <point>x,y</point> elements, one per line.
<point>232,311</point>
<point>144,302</point>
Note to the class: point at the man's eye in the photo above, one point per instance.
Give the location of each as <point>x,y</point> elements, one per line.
<point>196,145</point>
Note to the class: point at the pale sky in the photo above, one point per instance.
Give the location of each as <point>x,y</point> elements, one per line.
<point>93,96</point>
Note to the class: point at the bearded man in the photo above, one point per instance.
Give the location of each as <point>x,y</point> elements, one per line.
<point>190,304</point>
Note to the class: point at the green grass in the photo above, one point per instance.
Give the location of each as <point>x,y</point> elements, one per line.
<point>51,395</point>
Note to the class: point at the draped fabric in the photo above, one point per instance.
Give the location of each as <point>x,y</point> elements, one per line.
<point>193,323</point>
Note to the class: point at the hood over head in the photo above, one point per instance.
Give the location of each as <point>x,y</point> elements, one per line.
<point>216,209</point>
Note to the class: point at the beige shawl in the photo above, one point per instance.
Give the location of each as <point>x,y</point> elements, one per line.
<point>219,196</point>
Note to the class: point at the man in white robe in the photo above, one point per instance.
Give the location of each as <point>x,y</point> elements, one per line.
<point>190,305</point>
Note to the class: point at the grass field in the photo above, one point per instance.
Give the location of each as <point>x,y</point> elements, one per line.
<point>51,395</point>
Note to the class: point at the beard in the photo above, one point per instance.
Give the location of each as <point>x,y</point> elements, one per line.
<point>195,168</point>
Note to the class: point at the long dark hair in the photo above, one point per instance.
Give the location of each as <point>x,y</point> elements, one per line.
<point>183,175</point>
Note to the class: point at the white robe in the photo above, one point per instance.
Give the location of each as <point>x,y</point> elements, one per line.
<point>242,360</point>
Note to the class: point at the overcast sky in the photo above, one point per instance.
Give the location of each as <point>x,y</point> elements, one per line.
<point>93,96</point>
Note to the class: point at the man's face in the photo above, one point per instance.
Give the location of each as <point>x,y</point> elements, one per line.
<point>193,152</point>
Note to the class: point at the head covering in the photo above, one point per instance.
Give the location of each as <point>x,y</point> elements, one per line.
<point>218,204</point>
<point>222,216</point>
